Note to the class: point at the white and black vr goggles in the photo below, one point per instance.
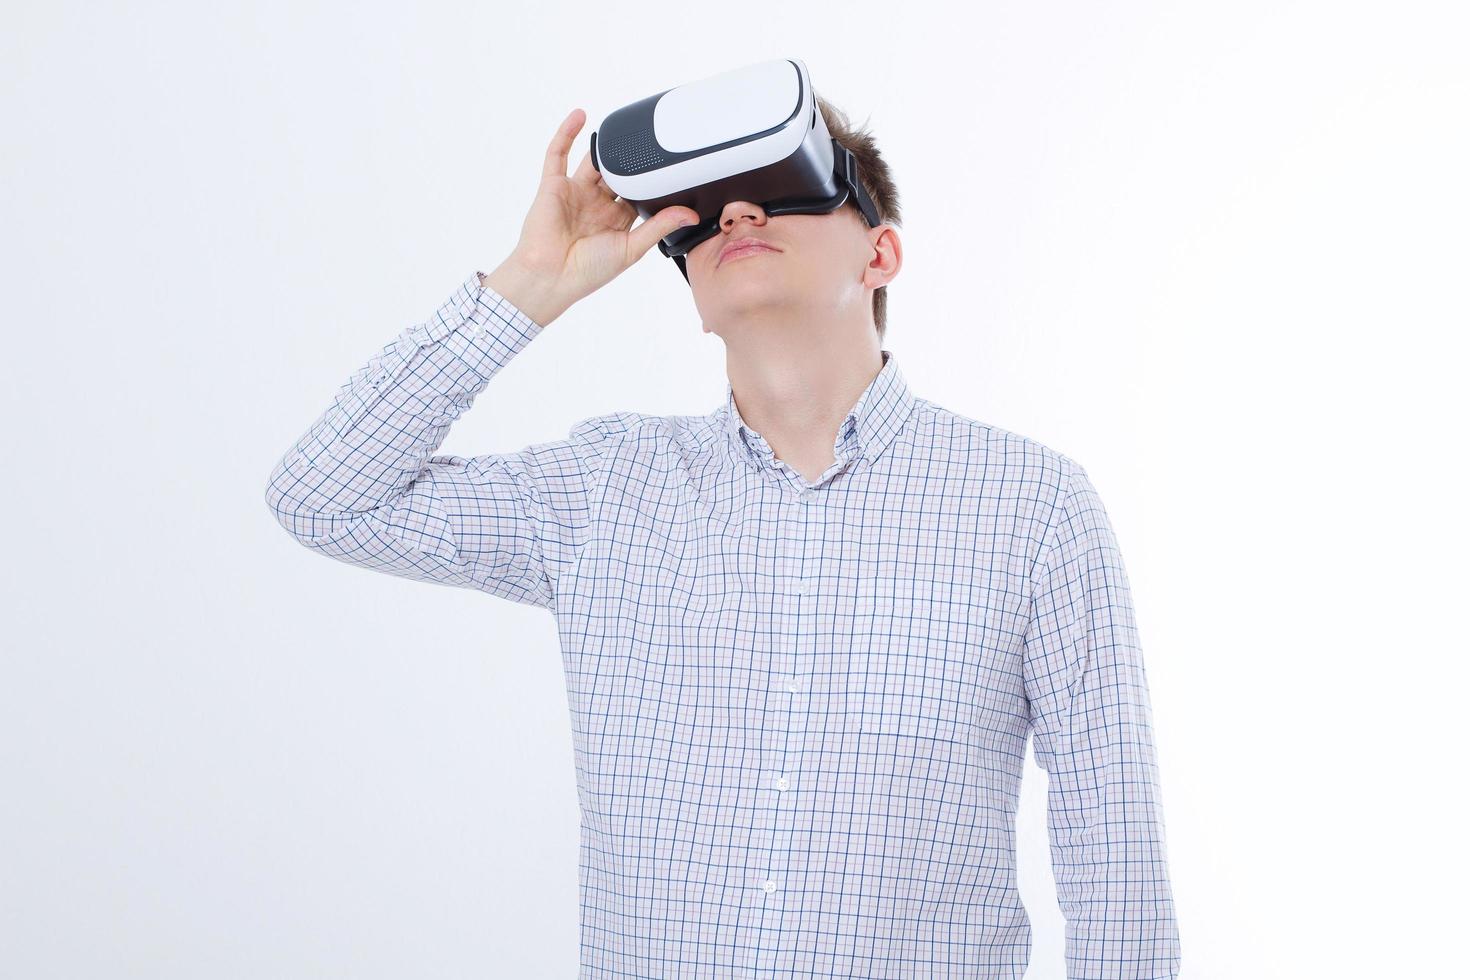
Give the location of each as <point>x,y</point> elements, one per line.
<point>752,134</point>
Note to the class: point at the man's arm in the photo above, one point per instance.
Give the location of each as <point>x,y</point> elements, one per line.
<point>362,484</point>
<point>1092,733</point>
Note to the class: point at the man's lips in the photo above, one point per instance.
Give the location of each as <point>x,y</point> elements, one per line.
<point>744,248</point>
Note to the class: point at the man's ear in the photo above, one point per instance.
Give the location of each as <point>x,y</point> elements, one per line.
<point>880,240</point>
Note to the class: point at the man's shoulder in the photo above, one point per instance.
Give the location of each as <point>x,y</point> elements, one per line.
<point>609,425</point>
<point>654,433</point>
<point>996,444</point>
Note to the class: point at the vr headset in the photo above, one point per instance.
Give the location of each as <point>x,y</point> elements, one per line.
<point>751,134</point>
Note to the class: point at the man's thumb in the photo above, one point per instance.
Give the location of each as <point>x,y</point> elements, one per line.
<point>661,225</point>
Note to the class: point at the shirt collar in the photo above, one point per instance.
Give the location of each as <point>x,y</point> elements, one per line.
<point>866,430</point>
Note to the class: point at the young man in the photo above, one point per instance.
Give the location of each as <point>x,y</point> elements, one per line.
<point>805,636</point>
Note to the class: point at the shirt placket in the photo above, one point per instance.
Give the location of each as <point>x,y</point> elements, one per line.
<point>783,736</point>
<point>801,511</point>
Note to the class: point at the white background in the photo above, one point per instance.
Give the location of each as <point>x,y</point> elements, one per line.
<point>1215,252</point>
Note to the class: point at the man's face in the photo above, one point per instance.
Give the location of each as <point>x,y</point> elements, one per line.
<point>817,268</point>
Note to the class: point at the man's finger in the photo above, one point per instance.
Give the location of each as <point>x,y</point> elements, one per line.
<point>586,172</point>
<point>556,153</point>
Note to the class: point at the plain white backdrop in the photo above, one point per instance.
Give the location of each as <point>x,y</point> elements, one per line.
<point>1215,252</point>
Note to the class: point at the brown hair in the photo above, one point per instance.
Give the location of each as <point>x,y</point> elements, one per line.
<point>877,180</point>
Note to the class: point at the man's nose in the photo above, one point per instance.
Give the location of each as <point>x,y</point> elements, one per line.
<point>736,210</point>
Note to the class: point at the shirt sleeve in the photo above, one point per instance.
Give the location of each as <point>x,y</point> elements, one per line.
<point>1091,727</point>
<point>363,485</point>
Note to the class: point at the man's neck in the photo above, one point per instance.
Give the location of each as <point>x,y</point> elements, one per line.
<point>797,404</point>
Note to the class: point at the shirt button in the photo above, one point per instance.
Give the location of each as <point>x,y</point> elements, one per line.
<point>782,784</point>
<point>791,686</point>
<point>769,887</point>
